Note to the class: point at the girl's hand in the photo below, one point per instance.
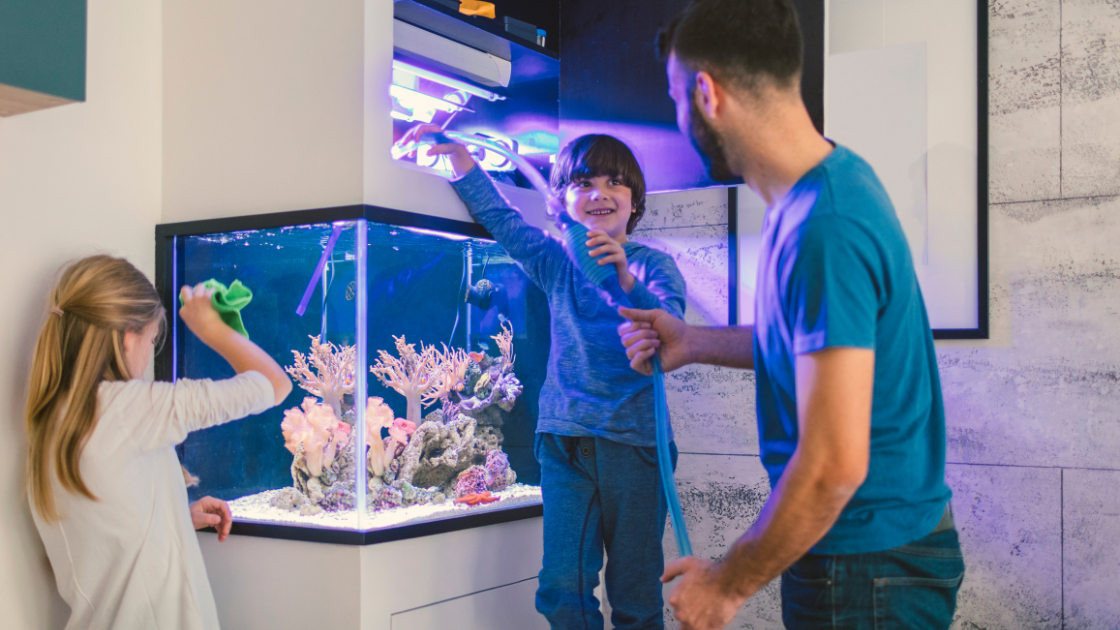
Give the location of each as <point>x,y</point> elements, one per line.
<point>461,160</point>
<point>610,252</point>
<point>198,312</point>
<point>211,512</point>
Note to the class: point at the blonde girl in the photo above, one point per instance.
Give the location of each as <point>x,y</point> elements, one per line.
<point>106,490</point>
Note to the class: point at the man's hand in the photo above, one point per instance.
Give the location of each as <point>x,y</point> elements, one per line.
<point>211,512</point>
<point>609,252</point>
<point>701,600</point>
<point>655,331</point>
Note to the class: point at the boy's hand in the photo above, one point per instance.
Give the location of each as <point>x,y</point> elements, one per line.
<point>211,512</point>
<point>609,252</point>
<point>461,160</point>
<point>198,312</point>
<point>653,331</point>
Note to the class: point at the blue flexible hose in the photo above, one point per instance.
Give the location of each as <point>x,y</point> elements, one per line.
<point>605,276</point>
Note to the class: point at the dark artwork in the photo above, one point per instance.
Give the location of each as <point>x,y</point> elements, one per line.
<point>612,82</point>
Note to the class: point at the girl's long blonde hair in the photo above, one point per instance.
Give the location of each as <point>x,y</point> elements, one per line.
<point>96,301</point>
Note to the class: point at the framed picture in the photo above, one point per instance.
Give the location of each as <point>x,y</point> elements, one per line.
<point>905,87</point>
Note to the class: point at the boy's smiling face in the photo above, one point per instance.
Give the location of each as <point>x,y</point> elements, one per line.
<point>601,203</point>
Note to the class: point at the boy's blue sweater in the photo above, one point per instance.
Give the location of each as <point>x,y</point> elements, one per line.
<point>589,389</point>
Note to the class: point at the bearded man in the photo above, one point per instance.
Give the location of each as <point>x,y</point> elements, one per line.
<point>850,415</point>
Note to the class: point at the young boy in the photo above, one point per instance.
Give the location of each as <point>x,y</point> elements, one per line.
<point>595,433</point>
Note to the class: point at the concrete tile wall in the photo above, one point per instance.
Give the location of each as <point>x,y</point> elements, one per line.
<point>1032,414</point>
<point>1033,410</point>
<point>1010,524</point>
<point>1091,515</point>
<point>1024,99</point>
<point>1090,65</point>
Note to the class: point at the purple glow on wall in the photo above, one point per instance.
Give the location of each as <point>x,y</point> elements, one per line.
<point>668,159</point>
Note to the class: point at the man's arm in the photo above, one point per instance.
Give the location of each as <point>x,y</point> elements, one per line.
<point>679,344</point>
<point>834,390</point>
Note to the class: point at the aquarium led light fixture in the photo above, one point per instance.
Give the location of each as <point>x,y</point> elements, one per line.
<point>416,106</point>
<point>473,90</point>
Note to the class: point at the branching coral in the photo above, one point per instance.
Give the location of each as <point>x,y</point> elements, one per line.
<point>505,343</point>
<point>453,365</point>
<point>414,375</point>
<point>423,378</point>
<point>333,375</point>
<point>315,431</point>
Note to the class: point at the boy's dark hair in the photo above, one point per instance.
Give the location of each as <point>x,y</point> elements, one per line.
<point>745,43</point>
<point>594,155</point>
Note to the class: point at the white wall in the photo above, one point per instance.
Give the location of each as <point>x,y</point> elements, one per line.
<point>262,106</point>
<point>74,180</point>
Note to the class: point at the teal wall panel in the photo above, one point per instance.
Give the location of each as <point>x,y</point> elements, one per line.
<point>43,46</point>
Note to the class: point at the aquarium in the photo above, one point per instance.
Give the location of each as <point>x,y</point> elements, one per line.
<point>417,349</point>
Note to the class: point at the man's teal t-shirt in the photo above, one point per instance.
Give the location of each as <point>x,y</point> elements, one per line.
<point>836,271</point>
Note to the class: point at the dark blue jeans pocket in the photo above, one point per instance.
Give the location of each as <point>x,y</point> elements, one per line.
<point>537,446</point>
<point>807,593</point>
<point>925,596</point>
<point>648,454</point>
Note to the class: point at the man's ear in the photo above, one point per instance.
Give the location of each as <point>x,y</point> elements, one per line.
<point>708,95</point>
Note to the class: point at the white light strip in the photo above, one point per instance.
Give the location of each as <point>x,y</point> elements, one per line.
<point>446,235</point>
<point>448,81</point>
<point>403,94</point>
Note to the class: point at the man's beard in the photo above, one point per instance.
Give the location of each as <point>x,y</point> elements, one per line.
<point>710,147</point>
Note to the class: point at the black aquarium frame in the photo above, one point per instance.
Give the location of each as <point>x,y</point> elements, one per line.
<point>166,247</point>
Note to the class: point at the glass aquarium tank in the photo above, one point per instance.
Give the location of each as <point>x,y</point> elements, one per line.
<point>417,349</point>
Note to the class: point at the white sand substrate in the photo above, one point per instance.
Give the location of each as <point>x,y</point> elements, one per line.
<point>255,508</point>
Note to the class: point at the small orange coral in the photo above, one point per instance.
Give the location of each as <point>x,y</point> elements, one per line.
<point>476,499</point>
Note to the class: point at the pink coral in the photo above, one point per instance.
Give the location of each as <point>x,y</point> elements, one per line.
<point>317,430</point>
<point>378,416</point>
<point>381,452</point>
<point>401,429</point>
<point>333,377</point>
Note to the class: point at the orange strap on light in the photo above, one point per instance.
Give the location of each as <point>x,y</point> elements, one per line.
<point>477,7</point>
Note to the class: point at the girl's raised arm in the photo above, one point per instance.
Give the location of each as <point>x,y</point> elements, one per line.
<point>243,355</point>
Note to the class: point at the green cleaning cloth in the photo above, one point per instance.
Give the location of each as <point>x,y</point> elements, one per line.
<point>229,302</point>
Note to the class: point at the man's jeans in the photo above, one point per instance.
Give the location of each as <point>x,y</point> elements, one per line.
<point>913,586</point>
<point>598,495</point>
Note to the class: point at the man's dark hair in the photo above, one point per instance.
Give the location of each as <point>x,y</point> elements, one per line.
<point>744,43</point>
<point>594,155</point>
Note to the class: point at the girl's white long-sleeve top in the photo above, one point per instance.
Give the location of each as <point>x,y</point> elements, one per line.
<point>131,559</point>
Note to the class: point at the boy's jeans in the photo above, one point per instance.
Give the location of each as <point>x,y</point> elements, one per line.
<point>913,586</point>
<point>600,494</point>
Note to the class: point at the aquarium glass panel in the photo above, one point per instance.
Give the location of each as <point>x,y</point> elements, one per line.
<point>455,340</point>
